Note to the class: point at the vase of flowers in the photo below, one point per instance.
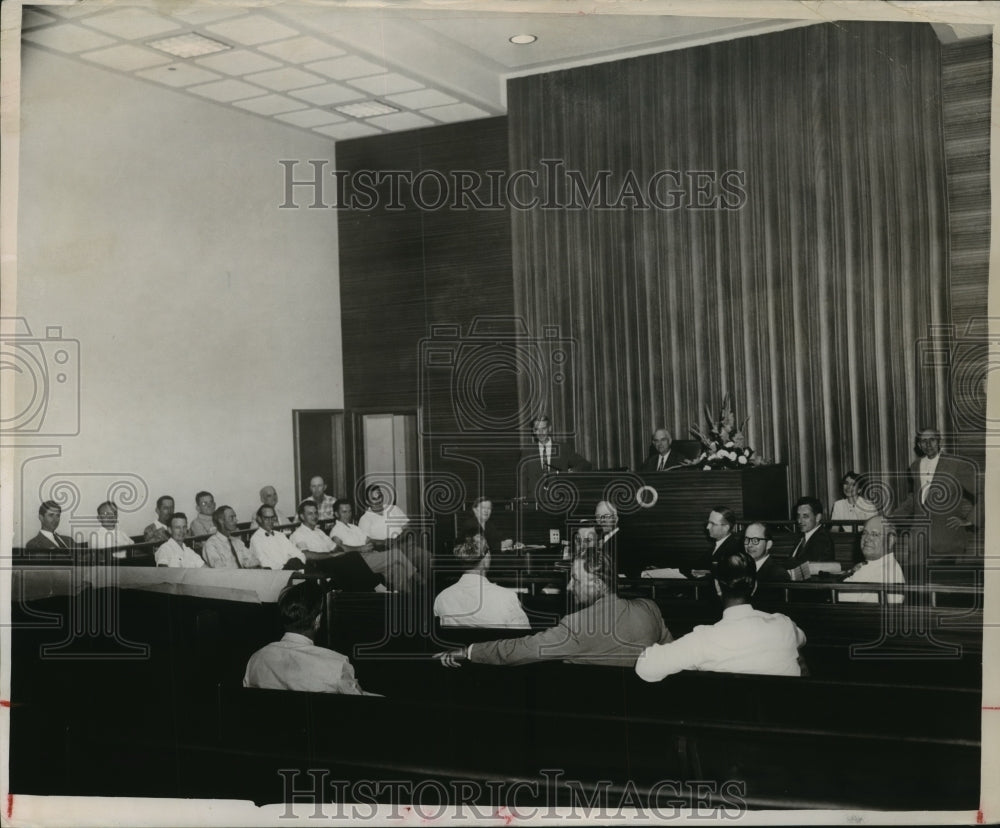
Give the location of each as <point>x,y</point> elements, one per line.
<point>723,446</point>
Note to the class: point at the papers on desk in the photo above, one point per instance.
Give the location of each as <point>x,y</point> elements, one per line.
<point>666,572</point>
<point>832,567</point>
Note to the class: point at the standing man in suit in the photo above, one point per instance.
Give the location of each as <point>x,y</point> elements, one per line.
<point>815,543</point>
<point>49,514</point>
<point>547,457</point>
<point>661,458</point>
<point>941,488</point>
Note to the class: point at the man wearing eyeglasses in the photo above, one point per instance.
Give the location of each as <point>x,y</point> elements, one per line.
<point>879,565</point>
<point>273,549</point>
<point>757,543</point>
<point>942,488</point>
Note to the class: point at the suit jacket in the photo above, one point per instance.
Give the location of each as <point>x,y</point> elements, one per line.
<point>563,457</point>
<point>468,525</point>
<point>612,631</point>
<point>955,482</point>
<point>772,571</point>
<point>818,548</point>
<point>729,546</point>
<point>675,460</point>
<point>42,542</point>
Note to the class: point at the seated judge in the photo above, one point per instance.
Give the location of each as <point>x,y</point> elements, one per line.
<point>295,662</point>
<point>475,601</point>
<point>348,569</point>
<point>744,641</point>
<point>477,522</point>
<point>852,506</point>
<point>159,529</point>
<point>758,543</point>
<point>815,543</point>
<point>390,563</point>
<point>662,457</point>
<point>605,629</point>
<point>224,549</point>
<point>110,535</point>
<point>49,515</point>
<point>273,549</point>
<point>546,457</point>
<point>175,552</point>
<point>879,566</point>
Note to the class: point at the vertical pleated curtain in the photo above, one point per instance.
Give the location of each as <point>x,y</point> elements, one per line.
<point>809,303</point>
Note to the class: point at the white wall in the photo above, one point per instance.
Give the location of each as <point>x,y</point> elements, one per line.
<point>149,230</point>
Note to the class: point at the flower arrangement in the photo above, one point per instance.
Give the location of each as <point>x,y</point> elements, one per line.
<point>723,446</point>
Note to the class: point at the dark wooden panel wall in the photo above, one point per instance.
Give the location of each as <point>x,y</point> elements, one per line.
<point>414,281</point>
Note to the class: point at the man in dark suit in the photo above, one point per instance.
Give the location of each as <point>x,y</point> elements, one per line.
<point>49,514</point>
<point>546,457</point>
<point>757,543</point>
<point>721,521</point>
<point>662,457</point>
<point>815,543</point>
<point>941,488</point>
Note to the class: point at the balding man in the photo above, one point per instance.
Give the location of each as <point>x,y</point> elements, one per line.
<point>606,629</point>
<point>878,539</point>
<point>269,497</point>
<point>324,502</point>
<point>661,457</point>
<point>757,543</point>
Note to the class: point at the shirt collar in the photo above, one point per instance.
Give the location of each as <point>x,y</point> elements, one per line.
<point>738,611</point>
<point>45,533</point>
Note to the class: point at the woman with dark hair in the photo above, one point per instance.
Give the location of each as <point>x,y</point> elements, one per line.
<point>477,522</point>
<point>852,506</point>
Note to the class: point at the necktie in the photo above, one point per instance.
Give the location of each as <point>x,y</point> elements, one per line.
<point>59,541</point>
<point>662,463</point>
<point>235,556</point>
<point>798,547</point>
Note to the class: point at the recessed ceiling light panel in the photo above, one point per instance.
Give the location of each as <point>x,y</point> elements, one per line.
<point>366,109</point>
<point>189,45</point>
<point>523,39</point>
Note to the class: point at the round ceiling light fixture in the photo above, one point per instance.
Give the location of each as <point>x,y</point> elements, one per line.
<point>523,39</point>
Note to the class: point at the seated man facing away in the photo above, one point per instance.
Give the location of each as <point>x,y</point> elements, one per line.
<point>879,566</point>
<point>390,563</point>
<point>273,549</point>
<point>174,552</point>
<point>605,630</point>
<point>744,641</point>
<point>323,556</point>
<point>224,550</point>
<point>475,601</point>
<point>294,662</point>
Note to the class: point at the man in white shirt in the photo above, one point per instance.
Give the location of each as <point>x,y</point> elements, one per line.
<point>879,565</point>
<point>475,601</point>
<point>224,550</point>
<point>381,522</point>
<point>273,549</point>
<point>295,662</point>
<point>159,529</point>
<point>174,552</point>
<point>348,569</point>
<point>744,641</point>
<point>391,563</point>
<point>203,523</point>
<point>109,536</point>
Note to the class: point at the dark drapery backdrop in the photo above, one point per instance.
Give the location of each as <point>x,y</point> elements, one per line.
<point>806,288</point>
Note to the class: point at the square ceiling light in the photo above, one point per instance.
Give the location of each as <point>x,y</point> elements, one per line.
<point>189,45</point>
<point>366,109</point>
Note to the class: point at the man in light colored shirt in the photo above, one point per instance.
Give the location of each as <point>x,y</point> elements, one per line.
<point>348,569</point>
<point>295,662</point>
<point>174,552</point>
<point>879,566</point>
<point>324,502</point>
<point>109,536</point>
<point>273,549</point>
<point>159,529</point>
<point>224,550</point>
<point>475,601</point>
<point>381,522</point>
<point>388,562</point>
<point>269,497</point>
<point>203,523</point>
<point>49,515</point>
<point>744,641</point>
<point>606,630</point>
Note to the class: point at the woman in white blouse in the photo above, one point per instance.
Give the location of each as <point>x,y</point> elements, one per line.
<point>852,506</point>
